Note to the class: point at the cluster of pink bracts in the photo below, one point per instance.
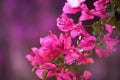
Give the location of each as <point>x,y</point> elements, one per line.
<point>56,54</point>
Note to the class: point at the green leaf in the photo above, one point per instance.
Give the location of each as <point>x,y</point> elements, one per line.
<point>112,21</point>
<point>113,2</point>
<point>97,27</point>
<point>44,74</point>
<point>61,56</point>
<point>110,9</point>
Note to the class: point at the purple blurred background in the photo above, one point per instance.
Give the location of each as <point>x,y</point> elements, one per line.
<point>22,23</point>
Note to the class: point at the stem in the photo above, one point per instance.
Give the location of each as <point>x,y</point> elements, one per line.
<point>109,20</point>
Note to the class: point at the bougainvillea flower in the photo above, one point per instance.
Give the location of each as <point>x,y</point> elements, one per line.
<point>75,3</point>
<point>109,43</point>
<point>87,43</point>
<point>100,8</point>
<point>78,30</point>
<point>64,23</point>
<point>100,13</point>
<point>35,59</point>
<point>70,10</point>
<point>86,14</point>
<point>84,59</point>
<point>39,72</point>
<point>66,41</point>
<point>71,56</point>
<point>101,52</point>
<point>68,75</point>
<point>86,75</point>
<point>50,42</point>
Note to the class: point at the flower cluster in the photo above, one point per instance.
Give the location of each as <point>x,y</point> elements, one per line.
<point>60,56</point>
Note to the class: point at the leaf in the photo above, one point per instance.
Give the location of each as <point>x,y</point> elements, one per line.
<point>44,74</point>
<point>61,56</point>
<point>113,2</point>
<point>97,27</point>
<point>112,21</point>
<point>110,9</point>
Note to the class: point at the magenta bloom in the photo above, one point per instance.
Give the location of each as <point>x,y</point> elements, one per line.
<point>69,10</point>
<point>65,41</point>
<point>71,57</point>
<point>64,23</point>
<point>78,30</point>
<point>86,14</point>
<point>108,41</point>
<point>85,59</point>
<point>100,8</point>
<point>49,42</point>
<point>86,75</point>
<point>87,43</point>
<point>68,75</point>
<point>75,3</point>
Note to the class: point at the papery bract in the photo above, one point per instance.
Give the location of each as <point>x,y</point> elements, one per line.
<point>86,75</point>
<point>69,10</point>
<point>66,41</point>
<point>64,23</point>
<point>39,72</point>
<point>75,3</point>
<point>84,59</point>
<point>87,43</point>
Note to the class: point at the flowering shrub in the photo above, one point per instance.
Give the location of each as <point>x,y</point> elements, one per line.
<point>59,58</point>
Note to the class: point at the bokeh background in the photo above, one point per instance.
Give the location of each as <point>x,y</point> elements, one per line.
<point>22,23</point>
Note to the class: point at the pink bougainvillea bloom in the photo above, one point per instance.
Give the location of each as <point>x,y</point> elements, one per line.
<point>86,75</point>
<point>66,41</point>
<point>101,53</point>
<point>39,72</point>
<point>108,28</point>
<point>78,30</point>
<point>70,10</point>
<point>68,75</point>
<point>48,66</point>
<point>86,14</point>
<point>48,55</point>
<point>75,3</point>
<point>36,59</point>
<point>64,23</point>
<point>109,43</point>
<point>50,42</point>
<point>87,43</point>
<point>100,8</point>
<point>101,13</point>
<point>71,56</point>
<point>84,59</point>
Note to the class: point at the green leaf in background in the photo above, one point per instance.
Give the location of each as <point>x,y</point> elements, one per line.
<point>110,9</point>
<point>44,74</point>
<point>113,2</point>
<point>61,56</point>
<point>97,27</point>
